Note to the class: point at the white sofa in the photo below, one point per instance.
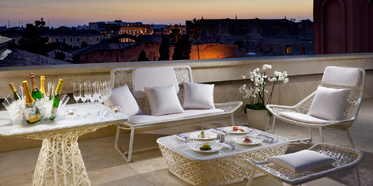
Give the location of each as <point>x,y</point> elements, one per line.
<point>138,78</point>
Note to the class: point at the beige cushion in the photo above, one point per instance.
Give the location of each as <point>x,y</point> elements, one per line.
<point>342,76</point>
<point>123,97</point>
<point>303,118</point>
<point>163,100</point>
<point>302,160</point>
<point>187,114</point>
<point>151,77</point>
<point>329,103</point>
<point>198,96</point>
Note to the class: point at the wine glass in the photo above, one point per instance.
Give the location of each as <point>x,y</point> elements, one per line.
<point>93,97</point>
<point>77,92</point>
<point>84,93</point>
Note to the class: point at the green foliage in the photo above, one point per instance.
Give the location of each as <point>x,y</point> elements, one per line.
<point>60,55</point>
<point>164,49</point>
<point>32,41</point>
<point>142,56</point>
<point>182,48</point>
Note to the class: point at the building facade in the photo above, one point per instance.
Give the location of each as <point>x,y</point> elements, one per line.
<point>343,26</point>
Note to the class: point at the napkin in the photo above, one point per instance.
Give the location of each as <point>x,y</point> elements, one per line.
<point>182,137</point>
<point>265,138</point>
<point>227,145</point>
<point>219,131</point>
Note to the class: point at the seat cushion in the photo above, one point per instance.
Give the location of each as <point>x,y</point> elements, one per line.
<point>163,100</point>
<point>123,97</point>
<point>187,114</point>
<point>329,103</point>
<point>198,96</point>
<point>344,76</point>
<point>302,160</point>
<point>304,118</point>
<point>151,77</point>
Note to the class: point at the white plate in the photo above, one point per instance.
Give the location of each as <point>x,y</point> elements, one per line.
<point>255,141</point>
<point>208,135</point>
<point>214,148</point>
<point>231,131</point>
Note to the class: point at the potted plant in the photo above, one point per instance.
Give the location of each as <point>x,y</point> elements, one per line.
<point>257,114</point>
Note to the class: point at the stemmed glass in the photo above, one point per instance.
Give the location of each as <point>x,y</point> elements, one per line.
<point>85,93</point>
<point>93,97</point>
<point>77,92</point>
<point>100,96</point>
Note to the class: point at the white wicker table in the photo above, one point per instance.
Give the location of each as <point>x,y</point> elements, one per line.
<point>60,161</point>
<point>220,168</point>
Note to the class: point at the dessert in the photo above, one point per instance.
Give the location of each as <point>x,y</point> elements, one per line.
<point>247,140</point>
<point>202,134</point>
<point>235,128</point>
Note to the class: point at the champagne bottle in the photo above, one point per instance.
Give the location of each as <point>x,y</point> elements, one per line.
<point>15,93</point>
<point>32,111</point>
<point>50,90</point>
<point>56,99</point>
<point>35,93</point>
<point>42,88</point>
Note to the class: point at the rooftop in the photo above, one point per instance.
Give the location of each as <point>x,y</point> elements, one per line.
<point>106,167</point>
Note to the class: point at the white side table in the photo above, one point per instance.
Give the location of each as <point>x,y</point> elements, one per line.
<point>60,161</point>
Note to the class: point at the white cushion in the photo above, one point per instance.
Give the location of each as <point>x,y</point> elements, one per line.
<point>151,77</point>
<point>329,103</point>
<point>163,100</point>
<point>302,160</point>
<point>198,96</point>
<point>303,117</point>
<point>187,114</point>
<point>342,76</point>
<point>123,97</point>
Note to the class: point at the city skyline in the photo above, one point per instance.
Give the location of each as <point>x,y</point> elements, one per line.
<point>81,12</point>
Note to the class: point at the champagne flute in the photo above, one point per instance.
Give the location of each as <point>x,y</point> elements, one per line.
<point>84,93</point>
<point>77,92</point>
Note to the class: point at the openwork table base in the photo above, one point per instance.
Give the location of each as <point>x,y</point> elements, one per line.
<point>60,161</point>
<point>220,171</point>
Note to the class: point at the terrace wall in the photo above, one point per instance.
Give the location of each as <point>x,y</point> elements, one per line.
<point>305,74</point>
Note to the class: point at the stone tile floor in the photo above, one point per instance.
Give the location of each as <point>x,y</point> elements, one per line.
<point>107,168</point>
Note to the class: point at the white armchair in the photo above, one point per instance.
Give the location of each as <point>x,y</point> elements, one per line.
<point>351,79</point>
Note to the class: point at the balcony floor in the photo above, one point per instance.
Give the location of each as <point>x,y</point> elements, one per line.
<point>106,167</point>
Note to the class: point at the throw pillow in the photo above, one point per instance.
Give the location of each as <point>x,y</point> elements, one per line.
<point>329,103</point>
<point>198,96</point>
<point>302,160</point>
<point>123,97</point>
<point>163,100</point>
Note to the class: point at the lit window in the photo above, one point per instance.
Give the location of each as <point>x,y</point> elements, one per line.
<point>288,49</point>
<point>90,39</point>
<point>83,39</point>
<point>50,40</point>
<point>111,31</point>
<point>302,50</point>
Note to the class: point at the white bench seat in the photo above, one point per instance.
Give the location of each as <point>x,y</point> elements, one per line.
<point>147,119</point>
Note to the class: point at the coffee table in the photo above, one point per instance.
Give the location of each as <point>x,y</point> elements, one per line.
<point>219,168</point>
<point>60,161</point>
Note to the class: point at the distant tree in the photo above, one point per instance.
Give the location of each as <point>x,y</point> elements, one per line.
<point>59,55</point>
<point>196,27</point>
<point>186,46</point>
<point>31,40</point>
<point>142,56</point>
<point>164,49</point>
<point>175,33</point>
<point>182,48</point>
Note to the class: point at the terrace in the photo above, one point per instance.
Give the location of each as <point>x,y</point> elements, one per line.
<point>106,167</point>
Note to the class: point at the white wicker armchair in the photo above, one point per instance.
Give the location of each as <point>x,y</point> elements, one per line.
<point>331,79</point>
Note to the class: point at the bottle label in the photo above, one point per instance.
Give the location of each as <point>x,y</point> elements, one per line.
<point>53,113</point>
<point>34,118</point>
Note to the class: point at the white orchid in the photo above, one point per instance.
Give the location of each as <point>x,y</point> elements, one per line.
<point>259,79</point>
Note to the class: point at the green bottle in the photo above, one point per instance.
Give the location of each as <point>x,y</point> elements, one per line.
<point>15,93</point>
<point>56,99</point>
<point>35,93</point>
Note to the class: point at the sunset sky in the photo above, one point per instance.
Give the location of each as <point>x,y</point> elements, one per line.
<point>80,12</point>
